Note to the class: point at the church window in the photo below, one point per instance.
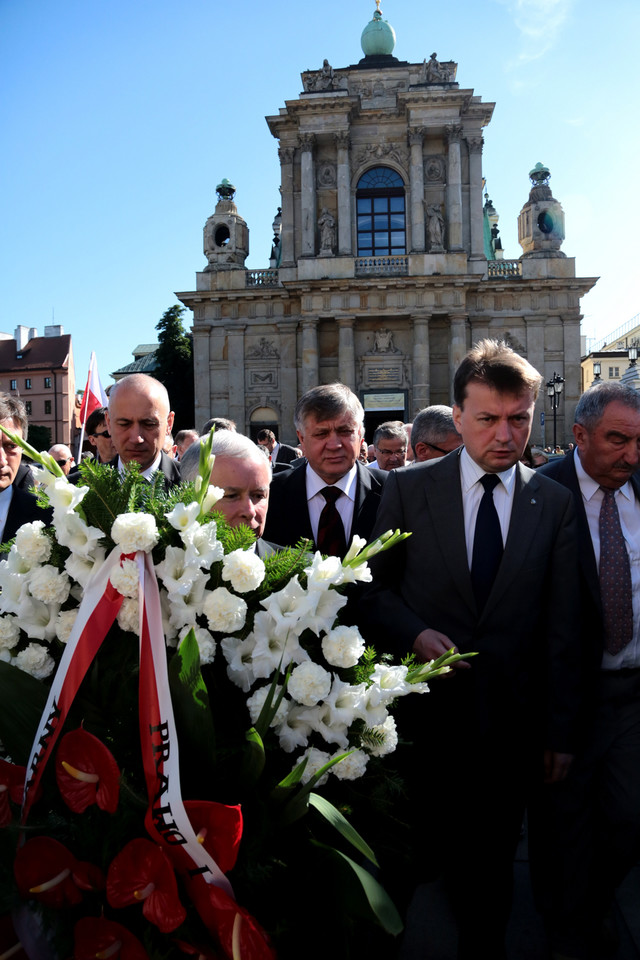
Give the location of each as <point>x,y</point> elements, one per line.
<point>380,205</point>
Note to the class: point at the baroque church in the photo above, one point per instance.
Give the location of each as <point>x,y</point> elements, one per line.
<point>386,263</point>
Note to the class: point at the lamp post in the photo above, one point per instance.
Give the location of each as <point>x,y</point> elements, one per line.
<point>554,389</point>
<point>597,370</point>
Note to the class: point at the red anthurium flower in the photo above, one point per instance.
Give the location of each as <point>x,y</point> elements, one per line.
<point>87,772</point>
<point>219,828</point>
<point>98,939</point>
<point>142,872</point>
<point>200,953</point>
<point>240,935</point>
<point>12,780</point>
<point>45,870</point>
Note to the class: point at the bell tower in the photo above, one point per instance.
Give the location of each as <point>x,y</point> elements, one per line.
<point>226,235</point>
<point>541,220</point>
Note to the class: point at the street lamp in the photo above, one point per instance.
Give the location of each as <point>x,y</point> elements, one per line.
<point>597,370</point>
<point>554,389</point>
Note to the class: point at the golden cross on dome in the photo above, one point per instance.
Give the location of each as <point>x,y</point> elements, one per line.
<point>378,2</point>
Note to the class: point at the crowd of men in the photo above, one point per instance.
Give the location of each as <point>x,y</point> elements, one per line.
<point>537,571</point>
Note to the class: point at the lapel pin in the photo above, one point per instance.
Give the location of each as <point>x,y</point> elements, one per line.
<point>533,500</point>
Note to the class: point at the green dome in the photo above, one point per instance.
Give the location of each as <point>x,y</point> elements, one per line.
<point>378,37</point>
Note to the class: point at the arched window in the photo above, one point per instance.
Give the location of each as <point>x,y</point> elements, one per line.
<point>381,214</point>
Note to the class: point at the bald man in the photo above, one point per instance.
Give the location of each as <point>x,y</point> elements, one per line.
<point>139,419</point>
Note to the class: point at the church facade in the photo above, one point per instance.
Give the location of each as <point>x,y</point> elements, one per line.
<point>386,265</point>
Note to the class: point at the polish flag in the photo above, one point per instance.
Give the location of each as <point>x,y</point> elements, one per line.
<point>93,396</point>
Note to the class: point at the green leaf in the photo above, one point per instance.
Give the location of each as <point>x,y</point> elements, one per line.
<point>342,825</point>
<point>367,898</point>
<point>23,700</point>
<point>191,703</point>
<point>253,758</point>
<point>299,803</point>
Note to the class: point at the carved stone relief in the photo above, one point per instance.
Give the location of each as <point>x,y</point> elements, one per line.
<point>326,177</point>
<point>381,152</point>
<point>434,169</point>
<point>266,348</point>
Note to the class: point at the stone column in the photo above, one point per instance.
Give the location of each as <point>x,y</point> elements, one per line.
<point>475,197</point>
<point>416,181</point>
<point>535,355</point>
<point>454,188</point>
<point>235,367</point>
<point>201,371</point>
<point>457,345</point>
<point>288,377</point>
<point>346,352</point>
<point>287,258</point>
<point>309,372</point>
<point>344,195</point>
<point>308,195</point>
<point>421,363</point>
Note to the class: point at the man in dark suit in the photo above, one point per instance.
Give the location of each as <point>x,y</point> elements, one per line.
<point>278,452</point>
<point>490,567</point>
<point>139,419</point>
<point>243,472</point>
<point>333,496</point>
<point>17,505</point>
<point>589,835</point>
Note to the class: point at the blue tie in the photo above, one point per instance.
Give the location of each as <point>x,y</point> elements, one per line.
<point>487,542</point>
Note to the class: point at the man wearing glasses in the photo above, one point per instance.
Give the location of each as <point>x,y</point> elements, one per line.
<point>63,457</point>
<point>433,433</point>
<point>99,437</point>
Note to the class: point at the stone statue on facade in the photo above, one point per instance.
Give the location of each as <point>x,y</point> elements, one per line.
<point>384,342</point>
<point>323,79</point>
<point>327,227</point>
<point>435,228</point>
<point>434,72</point>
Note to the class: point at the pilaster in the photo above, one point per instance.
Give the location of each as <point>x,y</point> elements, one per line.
<point>416,181</point>
<point>421,362</point>
<point>344,194</point>
<point>286,155</point>
<point>309,372</point>
<point>475,197</point>
<point>457,345</point>
<point>346,352</point>
<point>235,353</point>
<point>308,194</point>
<point>454,188</point>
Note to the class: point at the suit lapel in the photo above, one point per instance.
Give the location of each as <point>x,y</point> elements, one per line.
<point>294,504</point>
<point>443,495</point>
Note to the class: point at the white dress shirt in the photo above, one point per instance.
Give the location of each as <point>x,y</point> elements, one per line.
<point>629,513</point>
<point>149,472</point>
<point>344,505</point>
<point>473,492</point>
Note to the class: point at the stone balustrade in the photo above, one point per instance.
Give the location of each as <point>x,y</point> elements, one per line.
<point>262,278</point>
<point>504,268</point>
<point>382,266</point>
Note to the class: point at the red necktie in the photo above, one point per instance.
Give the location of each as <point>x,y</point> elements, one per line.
<point>331,539</point>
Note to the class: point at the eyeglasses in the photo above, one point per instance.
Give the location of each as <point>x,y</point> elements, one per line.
<point>106,435</point>
<point>63,463</point>
<point>434,447</point>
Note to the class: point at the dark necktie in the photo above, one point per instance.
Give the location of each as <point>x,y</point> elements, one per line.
<point>615,577</point>
<point>331,539</point>
<point>487,542</point>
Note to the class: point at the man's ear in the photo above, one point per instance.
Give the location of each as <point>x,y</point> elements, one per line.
<point>579,432</point>
<point>170,419</point>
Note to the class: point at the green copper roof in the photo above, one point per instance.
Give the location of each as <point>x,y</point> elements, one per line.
<point>378,37</point>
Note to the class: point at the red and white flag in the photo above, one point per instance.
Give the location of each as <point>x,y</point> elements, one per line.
<point>93,396</point>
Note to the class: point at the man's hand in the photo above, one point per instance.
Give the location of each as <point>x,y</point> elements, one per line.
<point>556,766</point>
<point>430,644</point>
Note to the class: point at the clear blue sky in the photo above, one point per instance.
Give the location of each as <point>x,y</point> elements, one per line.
<point>119,117</point>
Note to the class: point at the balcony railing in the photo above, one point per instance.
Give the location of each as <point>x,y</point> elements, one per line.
<point>504,268</point>
<point>262,278</point>
<point>382,266</point>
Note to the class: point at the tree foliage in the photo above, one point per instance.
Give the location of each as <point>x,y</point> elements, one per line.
<point>175,365</point>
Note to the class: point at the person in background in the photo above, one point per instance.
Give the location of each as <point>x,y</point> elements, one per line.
<point>390,445</point>
<point>63,457</point>
<point>278,452</point>
<point>99,437</point>
<point>17,505</point>
<point>220,423</point>
<point>184,439</point>
<point>434,433</point>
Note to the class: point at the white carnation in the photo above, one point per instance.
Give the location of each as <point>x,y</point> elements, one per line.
<point>129,615</point>
<point>64,624</point>
<point>352,767</point>
<point>9,632</point>
<point>125,578</point>
<point>49,585</point>
<point>206,643</point>
<point>389,732</point>
<point>315,760</point>
<point>244,570</point>
<point>135,531</point>
<point>343,647</point>
<point>32,544</point>
<point>35,660</point>
<point>256,701</point>
<point>309,683</point>
<point>225,612</point>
